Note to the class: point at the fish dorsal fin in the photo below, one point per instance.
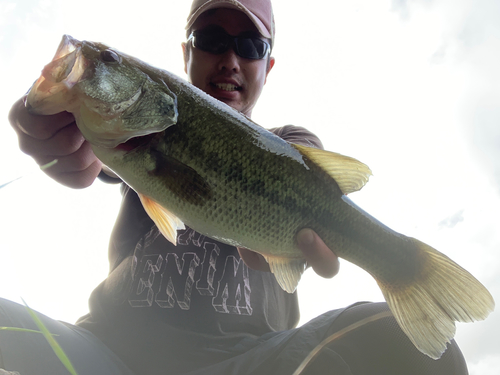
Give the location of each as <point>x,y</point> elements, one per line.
<point>350,174</point>
<point>287,271</point>
<point>167,222</point>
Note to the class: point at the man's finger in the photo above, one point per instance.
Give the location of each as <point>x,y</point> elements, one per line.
<point>323,260</point>
<point>40,127</point>
<point>253,260</point>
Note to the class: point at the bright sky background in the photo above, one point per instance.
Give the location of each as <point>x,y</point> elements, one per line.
<point>411,88</point>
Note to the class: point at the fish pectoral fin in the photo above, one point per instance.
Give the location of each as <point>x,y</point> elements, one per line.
<point>167,222</point>
<point>442,293</point>
<point>184,181</point>
<point>350,174</point>
<point>287,271</point>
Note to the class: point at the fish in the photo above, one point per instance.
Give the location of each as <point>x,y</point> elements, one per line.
<point>195,161</point>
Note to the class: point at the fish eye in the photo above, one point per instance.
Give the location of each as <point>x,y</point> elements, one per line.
<point>110,56</point>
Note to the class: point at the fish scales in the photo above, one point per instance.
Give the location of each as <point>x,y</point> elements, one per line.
<point>194,160</point>
<point>254,180</point>
<point>314,201</point>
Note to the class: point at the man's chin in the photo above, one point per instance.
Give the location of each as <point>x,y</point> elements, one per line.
<point>234,103</point>
<point>231,98</point>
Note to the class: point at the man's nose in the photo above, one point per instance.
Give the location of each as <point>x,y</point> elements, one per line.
<point>229,60</point>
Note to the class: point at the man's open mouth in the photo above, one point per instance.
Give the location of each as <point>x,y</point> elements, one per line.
<point>226,86</point>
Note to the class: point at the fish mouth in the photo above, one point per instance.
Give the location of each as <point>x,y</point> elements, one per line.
<point>67,46</point>
<point>46,96</point>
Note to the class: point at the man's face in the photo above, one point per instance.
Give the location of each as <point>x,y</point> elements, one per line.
<point>235,80</point>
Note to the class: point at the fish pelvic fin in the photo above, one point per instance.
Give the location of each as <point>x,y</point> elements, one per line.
<point>287,271</point>
<point>427,309</point>
<point>167,222</point>
<point>350,174</point>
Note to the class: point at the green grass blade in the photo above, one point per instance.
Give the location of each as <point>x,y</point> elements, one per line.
<point>52,342</point>
<point>11,181</point>
<point>42,167</point>
<point>48,165</point>
<point>17,329</point>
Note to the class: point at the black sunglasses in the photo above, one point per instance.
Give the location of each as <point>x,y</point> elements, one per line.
<point>218,41</point>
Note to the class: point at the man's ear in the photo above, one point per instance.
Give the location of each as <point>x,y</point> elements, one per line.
<point>185,54</point>
<point>270,65</point>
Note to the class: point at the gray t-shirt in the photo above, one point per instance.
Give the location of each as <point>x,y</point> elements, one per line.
<point>166,305</point>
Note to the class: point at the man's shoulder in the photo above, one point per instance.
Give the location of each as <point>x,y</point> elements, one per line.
<point>297,134</point>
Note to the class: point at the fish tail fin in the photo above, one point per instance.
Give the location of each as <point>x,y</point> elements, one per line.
<point>443,293</point>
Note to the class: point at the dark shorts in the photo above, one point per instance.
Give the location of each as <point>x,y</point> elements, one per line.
<point>377,348</point>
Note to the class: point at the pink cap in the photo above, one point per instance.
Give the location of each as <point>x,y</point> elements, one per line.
<point>260,13</point>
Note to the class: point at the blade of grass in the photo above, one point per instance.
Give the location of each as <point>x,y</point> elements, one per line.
<point>42,167</point>
<point>3,185</point>
<point>52,342</point>
<point>17,329</point>
<point>49,164</point>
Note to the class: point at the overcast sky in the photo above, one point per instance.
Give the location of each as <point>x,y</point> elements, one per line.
<point>411,88</point>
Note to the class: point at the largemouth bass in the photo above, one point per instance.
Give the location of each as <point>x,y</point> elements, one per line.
<point>194,160</point>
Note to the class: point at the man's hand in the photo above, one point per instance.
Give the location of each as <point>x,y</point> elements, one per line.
<point>46,138</point>
<point>323,261</point>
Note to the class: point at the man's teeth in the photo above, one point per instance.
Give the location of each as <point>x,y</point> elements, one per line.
<point>227,86</point>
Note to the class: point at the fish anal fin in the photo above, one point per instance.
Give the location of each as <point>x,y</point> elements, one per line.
<point>287,271</point>
<point>350,174</point>
<point>427,309</point>
<point>167,222</point>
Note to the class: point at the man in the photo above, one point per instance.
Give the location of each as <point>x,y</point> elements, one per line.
<point>197,308</point>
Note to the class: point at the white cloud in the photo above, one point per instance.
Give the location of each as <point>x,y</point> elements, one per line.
<point>488,365</point>
<point>405,7</point>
